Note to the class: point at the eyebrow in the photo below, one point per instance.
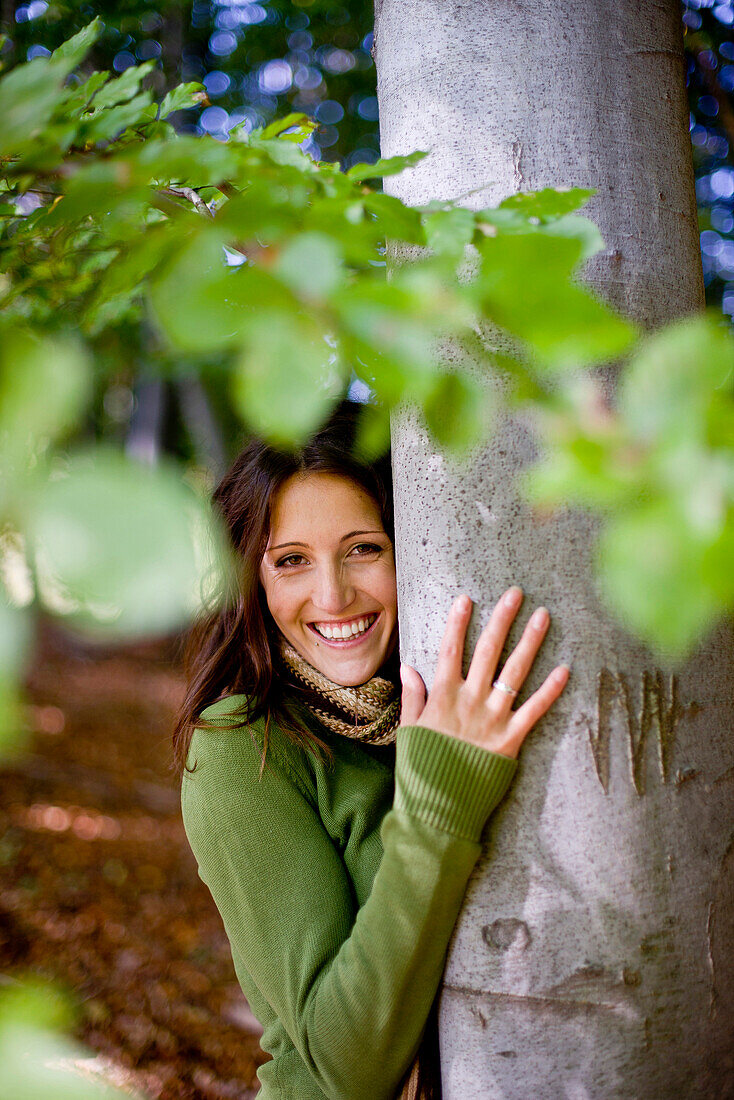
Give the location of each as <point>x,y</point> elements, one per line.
<point>305,545</point>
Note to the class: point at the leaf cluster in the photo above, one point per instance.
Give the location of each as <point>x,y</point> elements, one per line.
<point>249,259</point>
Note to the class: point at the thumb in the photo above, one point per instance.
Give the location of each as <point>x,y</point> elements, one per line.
<point>413,699</point>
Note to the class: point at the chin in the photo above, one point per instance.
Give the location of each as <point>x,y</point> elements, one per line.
<point>348,678</point>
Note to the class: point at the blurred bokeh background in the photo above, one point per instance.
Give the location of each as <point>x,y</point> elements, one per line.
<point>260,60</point>
<point>98,890</point>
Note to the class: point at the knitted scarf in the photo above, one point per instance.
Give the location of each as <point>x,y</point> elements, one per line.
<point>369,713</point>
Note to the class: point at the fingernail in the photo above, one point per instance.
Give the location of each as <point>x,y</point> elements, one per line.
<point>464,603</point>
<point>562,672</point>
<point>539,618</point>
<point>513,597</point>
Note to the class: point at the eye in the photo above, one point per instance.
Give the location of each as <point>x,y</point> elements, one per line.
<point>290,561</point>
<point>366,548</point>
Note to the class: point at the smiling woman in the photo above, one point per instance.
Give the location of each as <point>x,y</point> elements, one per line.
<point>335,822</point>
<point>332,596</point>
<point>298,524</point>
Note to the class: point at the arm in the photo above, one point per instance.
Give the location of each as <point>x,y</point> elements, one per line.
<point>352,988</point>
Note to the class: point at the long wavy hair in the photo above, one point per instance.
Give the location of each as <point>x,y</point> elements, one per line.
<point>229,649</point>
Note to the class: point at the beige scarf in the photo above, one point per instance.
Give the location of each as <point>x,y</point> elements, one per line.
<point>369,713</point>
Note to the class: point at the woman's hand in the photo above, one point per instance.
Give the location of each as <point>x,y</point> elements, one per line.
<point>472,709</point>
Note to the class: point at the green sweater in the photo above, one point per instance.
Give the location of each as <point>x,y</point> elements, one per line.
<point>339,889</point>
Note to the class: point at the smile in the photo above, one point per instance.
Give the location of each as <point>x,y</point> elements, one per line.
<point>347,634</point>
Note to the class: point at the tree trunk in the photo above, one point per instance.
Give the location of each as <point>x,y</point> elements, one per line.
<point>594,954</point>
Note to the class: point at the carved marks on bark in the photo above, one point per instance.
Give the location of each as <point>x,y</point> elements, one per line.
<point>720,943</point>
<point>654,706</point>
<point>519,178</point>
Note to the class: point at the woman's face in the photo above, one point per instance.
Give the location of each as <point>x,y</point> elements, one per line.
<point>329,571</point>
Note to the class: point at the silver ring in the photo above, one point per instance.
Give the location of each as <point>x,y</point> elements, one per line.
<point>504,687</point>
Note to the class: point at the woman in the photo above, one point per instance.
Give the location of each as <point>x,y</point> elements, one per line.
<point>335,823</point>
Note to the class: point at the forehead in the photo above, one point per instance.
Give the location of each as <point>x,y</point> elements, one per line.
<point>320,504</point>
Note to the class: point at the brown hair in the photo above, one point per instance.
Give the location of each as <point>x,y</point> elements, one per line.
<point>229,649</point>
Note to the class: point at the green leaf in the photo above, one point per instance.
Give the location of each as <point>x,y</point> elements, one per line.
<point>653,571</point>
<point>457,411</point>
<point>680,384</point>
<point>45,385</point>
<point>107,124</point>
<point>373,432</point>
<point>186,160</point>
<point>181,98</point>
<point>202,305</point>
<point>284,153</point>
<point>75,49</point>
<point>311,265</point>
<point>81,97</point>
<point>284,383</point>
<point>394,219</point>
<point>525,286</point>
<point>120,547</point>
<point>29,95</point>
<point>389,166</point>
<point>577,227</point>
<point>548,203</point>
<point>15,641</point>
<point>124,87</point>
<point>382,316</point>
<point>103,190</point>
<point>276,128</point>
<point>133,266</point>
<point>37,1060</point>
<point>585,472</point>
<point>448,232</point>
<point>509,220</point>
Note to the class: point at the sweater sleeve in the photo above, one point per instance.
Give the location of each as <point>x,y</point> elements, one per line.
<point>353,988</point>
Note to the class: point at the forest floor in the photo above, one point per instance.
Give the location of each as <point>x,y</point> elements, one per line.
<point>98,887</point>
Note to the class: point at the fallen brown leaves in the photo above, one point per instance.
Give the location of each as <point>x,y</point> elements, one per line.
<point>98,887</point>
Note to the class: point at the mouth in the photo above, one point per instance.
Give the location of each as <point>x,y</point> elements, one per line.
<point>359,629</point>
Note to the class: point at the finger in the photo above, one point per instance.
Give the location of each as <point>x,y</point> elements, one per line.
<point>519,662</point>
<point>491,642</point>
<point>413,698</point>
<point>539,702</point>
<point>451,651</point>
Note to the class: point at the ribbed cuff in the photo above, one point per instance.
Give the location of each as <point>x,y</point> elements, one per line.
<point>450,784</point>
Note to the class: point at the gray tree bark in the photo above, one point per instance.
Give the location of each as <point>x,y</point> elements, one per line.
<point>594,956</point>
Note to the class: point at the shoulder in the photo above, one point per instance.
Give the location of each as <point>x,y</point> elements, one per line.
<point>229,712</point>
<point>227,751</point>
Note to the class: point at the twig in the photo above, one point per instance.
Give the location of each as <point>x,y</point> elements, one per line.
<point>192,195</point>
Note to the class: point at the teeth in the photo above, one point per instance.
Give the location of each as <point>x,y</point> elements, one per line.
<point>349,630</point>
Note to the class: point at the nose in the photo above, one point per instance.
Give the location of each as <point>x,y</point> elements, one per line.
<point>333,593</point>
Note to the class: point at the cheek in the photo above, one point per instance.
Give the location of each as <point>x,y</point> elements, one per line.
<point>386,591</point>
<point>283,599</point>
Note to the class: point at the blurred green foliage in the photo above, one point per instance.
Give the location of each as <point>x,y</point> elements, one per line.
<point>249,260</point>
<point>257,61</point>
<point>38,1062</point>
<point>245,271</point>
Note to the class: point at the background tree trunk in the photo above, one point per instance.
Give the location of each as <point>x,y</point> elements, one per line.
<point>594,954</point>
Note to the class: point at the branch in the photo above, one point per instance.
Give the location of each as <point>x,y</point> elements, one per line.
<point>193,197</point>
